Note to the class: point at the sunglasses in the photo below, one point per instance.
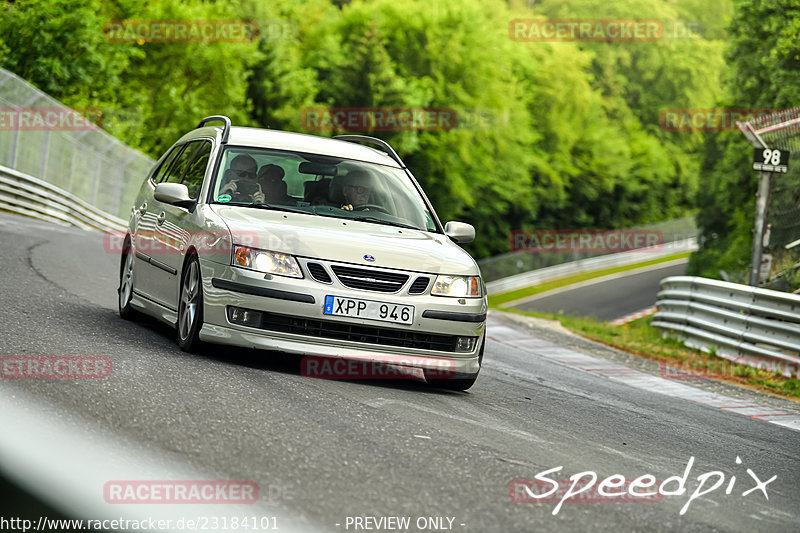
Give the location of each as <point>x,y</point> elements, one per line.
<point>244,173</point>
<point>359,189</point>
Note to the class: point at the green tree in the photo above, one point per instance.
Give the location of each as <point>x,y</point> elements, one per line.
<point>59,46</point>
<point>764,73</point>
<point>279,83</point>
<point>173,84</point>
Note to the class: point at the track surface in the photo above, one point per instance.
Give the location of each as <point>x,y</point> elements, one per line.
<point>332,449</point>
<point>606,299</point>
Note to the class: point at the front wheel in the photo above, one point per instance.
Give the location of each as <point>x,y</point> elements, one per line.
<point>190,306</point>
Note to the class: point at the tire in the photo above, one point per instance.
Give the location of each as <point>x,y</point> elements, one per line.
<point>460,383</point>
<point>125,289</point>
<point>190,306</point>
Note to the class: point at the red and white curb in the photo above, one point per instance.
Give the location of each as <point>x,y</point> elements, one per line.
<point>635,378</point>
<point>634,316</point>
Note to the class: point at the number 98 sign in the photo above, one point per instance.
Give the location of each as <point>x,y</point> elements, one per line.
<point>770,160</point>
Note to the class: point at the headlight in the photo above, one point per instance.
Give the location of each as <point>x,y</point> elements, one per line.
<point>457,286</point>
<point>267,262</point>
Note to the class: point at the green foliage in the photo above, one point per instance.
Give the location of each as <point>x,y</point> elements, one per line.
<point>279,82</point>
<point>764,73</point>
<point>59,46</point>
<point>173,85</point>
<point>573,138</point>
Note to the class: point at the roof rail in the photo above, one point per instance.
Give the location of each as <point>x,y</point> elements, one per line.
<point>222,118</point>
<point>373,140</point>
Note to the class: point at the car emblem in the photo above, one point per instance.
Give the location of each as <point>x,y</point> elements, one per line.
<point>369,258</point>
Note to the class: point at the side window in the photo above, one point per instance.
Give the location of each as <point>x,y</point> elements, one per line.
<point>159,175</point>
<point>181,164</point>
<point>193,179</point>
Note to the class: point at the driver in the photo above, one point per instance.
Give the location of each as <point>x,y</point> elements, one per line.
<point>356,189</point>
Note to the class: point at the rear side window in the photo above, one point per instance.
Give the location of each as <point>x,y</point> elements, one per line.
<point>181,164</point>
<point>193,179</point>
<point>162,170</point>
<point>189,167</point>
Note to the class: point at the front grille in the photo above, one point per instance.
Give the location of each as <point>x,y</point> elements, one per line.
<point>419,285</point>
<point>369,279</point>
<point>318,272</point>
<point>358,333</point>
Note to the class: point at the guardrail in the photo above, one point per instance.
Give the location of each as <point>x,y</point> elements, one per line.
<point>29,196</point>
<point>540,275</point>
<point>87,162</point>
<point>753,326</point>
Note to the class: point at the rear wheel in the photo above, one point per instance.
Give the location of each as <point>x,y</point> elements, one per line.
<point>461,383</point>
<point>190,306</point>
<point>125,290</point>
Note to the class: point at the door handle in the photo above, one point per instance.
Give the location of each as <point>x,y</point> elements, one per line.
<point>161,218</point>
<point>143,208</point>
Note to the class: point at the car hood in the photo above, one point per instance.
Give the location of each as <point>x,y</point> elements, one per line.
<point>346,241</point>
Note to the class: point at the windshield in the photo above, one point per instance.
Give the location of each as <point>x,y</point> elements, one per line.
<point>320,185</point>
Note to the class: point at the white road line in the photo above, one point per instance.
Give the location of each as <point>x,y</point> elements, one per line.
<point>641,380</point>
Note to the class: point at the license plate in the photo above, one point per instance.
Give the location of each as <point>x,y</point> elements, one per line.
<point>369,309</point>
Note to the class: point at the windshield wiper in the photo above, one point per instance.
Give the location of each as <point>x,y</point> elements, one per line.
<point>275,207</point>
<point>377,220</point>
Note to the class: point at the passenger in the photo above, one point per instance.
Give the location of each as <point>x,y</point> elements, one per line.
<point>270,177</point>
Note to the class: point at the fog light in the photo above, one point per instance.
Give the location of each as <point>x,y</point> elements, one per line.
<point>465,344</point>
<point>244,317</point>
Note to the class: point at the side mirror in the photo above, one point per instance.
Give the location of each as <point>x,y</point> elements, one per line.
<point>173,194</point>
<point>460,232</point>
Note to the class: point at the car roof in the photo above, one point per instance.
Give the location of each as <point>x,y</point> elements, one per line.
<point>294,142</point>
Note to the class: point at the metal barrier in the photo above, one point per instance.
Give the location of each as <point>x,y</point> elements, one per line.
<point>29,196</point>
<point>758,327</point>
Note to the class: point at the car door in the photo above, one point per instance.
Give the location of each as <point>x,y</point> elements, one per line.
<point>146,274</point>
<point>175,226</point>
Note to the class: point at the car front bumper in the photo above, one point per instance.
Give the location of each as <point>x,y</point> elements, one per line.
<point>298,305</point>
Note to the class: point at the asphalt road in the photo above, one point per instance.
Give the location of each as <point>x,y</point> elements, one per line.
<point>333,449</point>
<point>606,299</point>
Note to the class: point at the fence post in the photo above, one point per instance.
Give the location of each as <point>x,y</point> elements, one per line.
<point>45,156</point>
<point>14,143</point>
<point>762,201</point>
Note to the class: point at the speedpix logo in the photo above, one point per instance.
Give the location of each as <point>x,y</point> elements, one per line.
<point>615,488</point>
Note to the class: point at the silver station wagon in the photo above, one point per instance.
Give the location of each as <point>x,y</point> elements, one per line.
<point>308,245</point>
